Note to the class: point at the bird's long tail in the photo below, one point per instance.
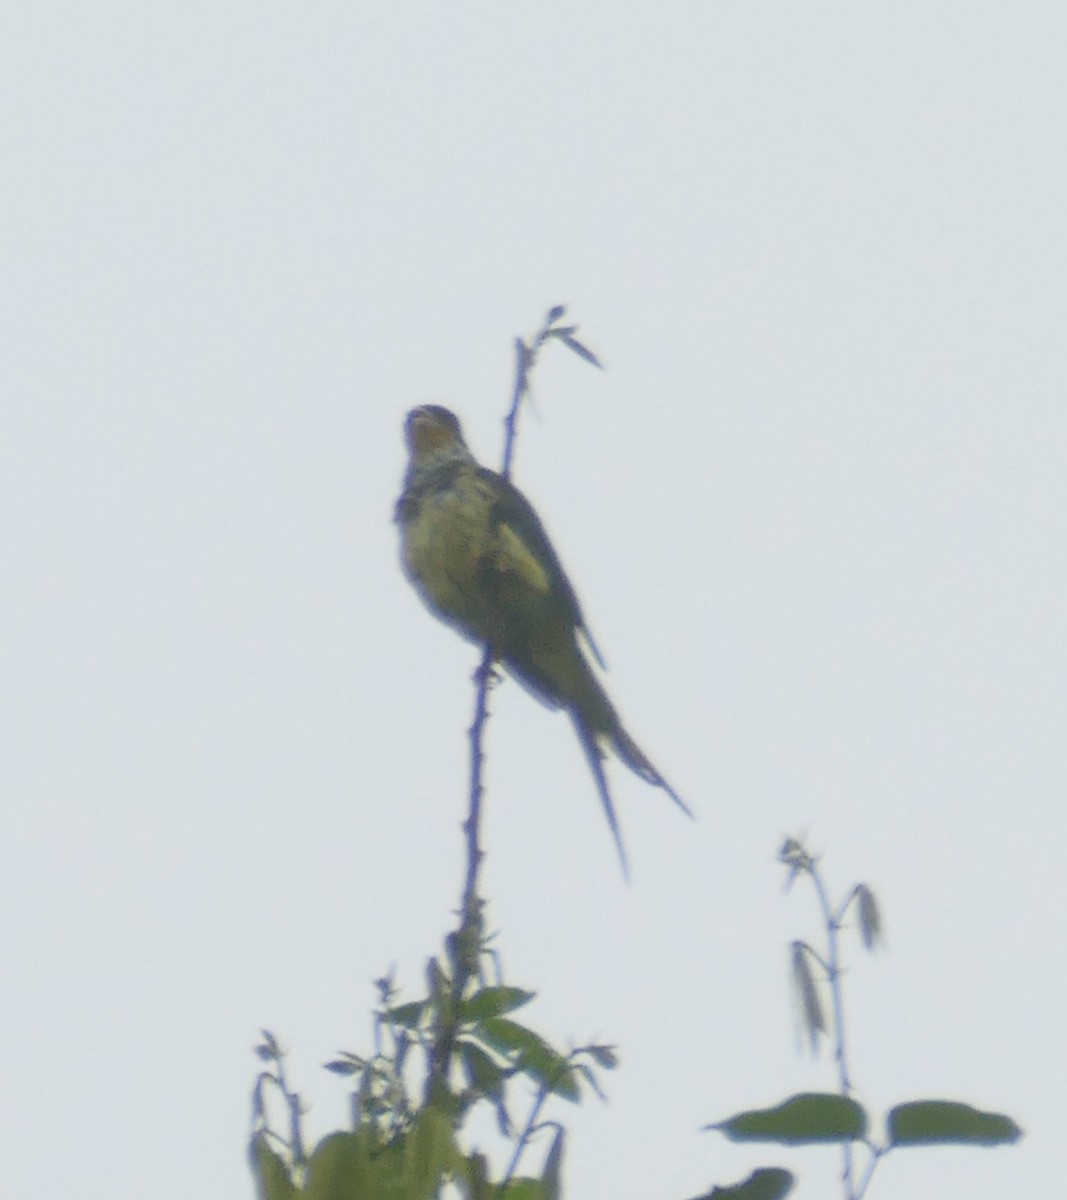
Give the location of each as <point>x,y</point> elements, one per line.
<point>634,757</point>
<point>597,722</point>
<point>593,711</point>
<point>593,752</point>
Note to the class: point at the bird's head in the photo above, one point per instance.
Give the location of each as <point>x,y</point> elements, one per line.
<point>431,429</point>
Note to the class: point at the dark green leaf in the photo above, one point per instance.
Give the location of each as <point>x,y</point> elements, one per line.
<point>340,1168</point>
<point>551,1176</point>
<point>494,1002</point>
<point>945,1122</point>
<point>809,1117</point>
<point>765,1183</point>
<point>484,1075</point>
<point>436,980</point>
<point>270,1171</point>
<point>477,1176</point>
<point>433,1154</point>
<point>408,1015</point>
<point>532,1055</point>
<point>522,1189</point>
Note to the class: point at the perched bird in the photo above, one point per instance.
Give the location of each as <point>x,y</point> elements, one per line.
<point>477,554</point>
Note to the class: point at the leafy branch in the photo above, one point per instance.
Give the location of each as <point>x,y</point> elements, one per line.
<point>836,1118</point>
<point>460,1039</point>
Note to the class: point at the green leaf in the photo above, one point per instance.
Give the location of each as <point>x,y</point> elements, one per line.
<point>476,1174</point>
<point>485,1076</point>
<point>523,1189</point>
<point>408,1015</point>
<point>340,1168</point>
<point>765,1183</point>
<point>551,1176</point>
<point>533,1055</point>
<point>432,1154</point>
<point>948,1123</point>
<point>272,1175</point>
<point>487,1080</point>
<point>494,1002</point>
<point>808,1117</point>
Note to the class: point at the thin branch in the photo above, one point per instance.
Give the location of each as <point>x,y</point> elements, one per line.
<point>524,1138</point>
<point>467,941</point>
<point>876,1153</point>
<point>833,972</point>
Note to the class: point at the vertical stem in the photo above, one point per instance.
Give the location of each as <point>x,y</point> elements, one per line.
<point>468,937</point>
<point>833,927</point>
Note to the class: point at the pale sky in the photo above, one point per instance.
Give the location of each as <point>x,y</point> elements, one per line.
<point>815,508</point>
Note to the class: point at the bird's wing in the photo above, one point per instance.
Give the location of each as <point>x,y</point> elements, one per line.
<point>514,514</point>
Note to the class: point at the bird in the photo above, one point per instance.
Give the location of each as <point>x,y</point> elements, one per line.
<point>478,555</point>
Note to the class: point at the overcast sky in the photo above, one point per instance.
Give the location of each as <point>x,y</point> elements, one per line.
<point>815,508</point>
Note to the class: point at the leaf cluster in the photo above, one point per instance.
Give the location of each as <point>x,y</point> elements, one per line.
<point>836,1118</point>
<point>403,1149</point>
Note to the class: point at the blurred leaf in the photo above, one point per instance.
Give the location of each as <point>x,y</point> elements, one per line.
<point>258,1108</point>
<point>270,1171</point>
<point>605,1056</point>
<point>809,1117</point>
<point>386,990</point>
<point>484,1075</point>
<point>586,1074</point>
<point>268,1050</point>
<point>494,1002</point>
<point>433,1154</point>
<point>343,1066</point>
<point>555,312</point>
<point>765,1183</point>
<point>340,1168</point>
<point>946,1122</point>
<point>807,994</point>
<point>522,1189</point>
<point>581,350</point>
<point>870,917</point>
<point>408,1015</point>
<point>436,981</point>
<point>535,1057</point>
<point>551,1176</point>
<point>477,1176</point>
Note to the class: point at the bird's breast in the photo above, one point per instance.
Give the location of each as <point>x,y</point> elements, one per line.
<point>446,540</point>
